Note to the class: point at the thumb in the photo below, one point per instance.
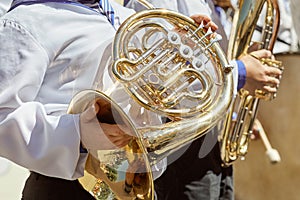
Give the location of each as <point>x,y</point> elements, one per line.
<point>262,53</point>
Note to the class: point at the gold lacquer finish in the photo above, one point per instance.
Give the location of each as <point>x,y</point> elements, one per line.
<point>171,67</point>
<point>122,173</point>
<point>238,129</point>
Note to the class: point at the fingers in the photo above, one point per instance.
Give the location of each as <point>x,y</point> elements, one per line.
<point>201,18</point>
<point>270,89</point>
<point>102,136</point>
<point>120,141</point>
<point>207,22</point>
<point>263,53</point>
<point>274,71</point>
<point>273,81</point>
<point>272,74</point>
<point>270,84</point>
<point>212,25</point>
<point>263,72</point>
<point>118,136</point>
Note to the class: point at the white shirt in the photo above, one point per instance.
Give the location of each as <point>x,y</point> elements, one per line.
<point>4,6</point>
<point>186,7</point>
<point>39,76</point>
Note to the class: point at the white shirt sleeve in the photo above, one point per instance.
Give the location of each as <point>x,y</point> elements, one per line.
<point>4,6</point>
<point>29,135</point>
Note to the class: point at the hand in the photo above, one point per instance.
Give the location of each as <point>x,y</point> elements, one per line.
<point>98,129</point>
<point>207,22</point>
<point>260,76</point>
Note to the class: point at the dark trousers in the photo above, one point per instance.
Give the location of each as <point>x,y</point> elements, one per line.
<point>40,187</point>
<point>194,178</point>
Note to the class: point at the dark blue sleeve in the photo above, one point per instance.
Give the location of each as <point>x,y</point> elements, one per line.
<point>241,74</point>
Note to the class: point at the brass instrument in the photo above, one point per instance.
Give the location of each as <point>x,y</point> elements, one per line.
<point>171,67</point>
<point>236,135</point>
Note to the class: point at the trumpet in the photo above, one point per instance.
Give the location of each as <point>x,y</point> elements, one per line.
<point>169,66</point>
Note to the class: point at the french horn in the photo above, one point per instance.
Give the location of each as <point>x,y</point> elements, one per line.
<point>237,130</point>
<point>170,66</point>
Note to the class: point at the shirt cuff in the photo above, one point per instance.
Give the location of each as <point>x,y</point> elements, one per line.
<point>241,74</point>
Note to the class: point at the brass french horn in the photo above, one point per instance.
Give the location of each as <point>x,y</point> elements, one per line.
<point>237,130</point>
<point>172,67</point>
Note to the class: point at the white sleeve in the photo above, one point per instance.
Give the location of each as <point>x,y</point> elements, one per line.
<point>197,7</point>
<point>4,6</point>
<point>29,136</point>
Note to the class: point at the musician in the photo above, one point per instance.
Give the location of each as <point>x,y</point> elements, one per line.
<point>49,51</point>
<point>195,170</point>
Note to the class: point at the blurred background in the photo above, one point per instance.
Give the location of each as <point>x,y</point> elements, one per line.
<point>12,179</point>
<point>256,178</point>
